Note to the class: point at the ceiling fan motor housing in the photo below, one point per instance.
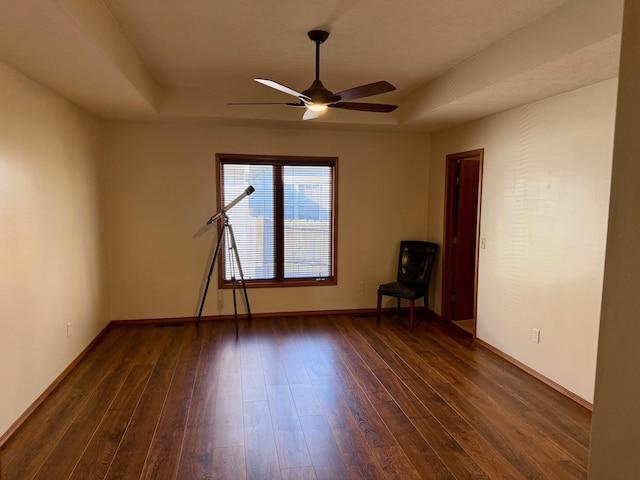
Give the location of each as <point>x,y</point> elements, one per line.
<point>319,94</point>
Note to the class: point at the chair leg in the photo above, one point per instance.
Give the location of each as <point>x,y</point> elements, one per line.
<point>398,303</point>
<point>411,305</point>
<point>378,309</point>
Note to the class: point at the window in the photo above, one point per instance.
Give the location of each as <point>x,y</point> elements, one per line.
<point>285,231</point>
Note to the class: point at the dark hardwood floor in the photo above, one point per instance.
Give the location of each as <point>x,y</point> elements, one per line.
<point>315,397</point>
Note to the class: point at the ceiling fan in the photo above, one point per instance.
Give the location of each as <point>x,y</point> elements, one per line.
<point>317,98</point>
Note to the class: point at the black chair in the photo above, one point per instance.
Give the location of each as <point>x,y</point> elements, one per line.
<point>415,264</point>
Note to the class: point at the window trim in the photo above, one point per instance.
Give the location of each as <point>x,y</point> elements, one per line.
<point>279,218</point>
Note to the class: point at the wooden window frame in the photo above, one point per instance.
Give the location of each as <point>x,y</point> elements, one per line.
<point>281,160</point>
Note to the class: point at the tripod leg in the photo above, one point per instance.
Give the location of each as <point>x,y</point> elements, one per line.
<point>237,258</point>
<point>213,262</point>
<point>235,308</point>
<point>246,300</point>
<point>233,280</point>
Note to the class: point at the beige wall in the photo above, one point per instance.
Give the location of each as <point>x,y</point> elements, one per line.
<point>51,255</point>
<point>544,217</point>
<point>161,190</point>
<point>616,423</point>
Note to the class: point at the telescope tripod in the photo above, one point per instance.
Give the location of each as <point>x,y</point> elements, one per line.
<point>226,236</point>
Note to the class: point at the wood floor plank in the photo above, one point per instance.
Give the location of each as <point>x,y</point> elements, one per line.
<point>134,446</point>
<point>289,438</point>
<point>352,443</point>
<point>79,433</point>
<point>196,461</point>
<point>506,430</point>
<point>380,421</point>
<point>291,358</point>
<point>253,384</point>
<point>399,359</point>
<point>533,399</point>
<point>299,473</point>
<point>261,455</point>
<point>100,451</point>
<point>326,457</point>
<point>231,357</point>
<point>347,386</point>
<point>305,400</point>
<point>358,456</point>
<point>573,417</point>
<point>228,462</point>
<point>534,416</point>
<point>164,452</point>
<point>272,366</point>
<point>89,415</point>
<point>314,341</point>
<point>308,397</point>
<point>383,445</point>
<point>423,457</point>
<point>228,425</point>
<point>41,432</point>
<point>438,438</point>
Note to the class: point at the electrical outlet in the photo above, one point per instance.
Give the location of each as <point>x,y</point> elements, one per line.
<point>361,286</point>
<point>536,335</point>
<point>68,329</point>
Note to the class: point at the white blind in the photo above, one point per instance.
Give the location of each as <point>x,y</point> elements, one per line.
<point>307,221</point>
<point>251,220</point>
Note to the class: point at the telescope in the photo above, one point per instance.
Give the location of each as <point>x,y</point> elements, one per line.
<point>247,191</point>
<point>226,235</point>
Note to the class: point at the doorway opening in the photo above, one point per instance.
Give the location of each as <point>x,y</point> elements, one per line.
<point>461,230</point>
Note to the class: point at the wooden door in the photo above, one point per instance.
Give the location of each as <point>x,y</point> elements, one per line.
<point>461,229</point>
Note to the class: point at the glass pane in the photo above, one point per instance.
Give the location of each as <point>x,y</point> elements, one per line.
<point>307,221</point>
<point>251,220</point>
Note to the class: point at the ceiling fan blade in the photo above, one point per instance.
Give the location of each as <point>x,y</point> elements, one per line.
<point>280,87</point>
<point>365,107</point>
<point>366,90</point>
<point>291,104</point>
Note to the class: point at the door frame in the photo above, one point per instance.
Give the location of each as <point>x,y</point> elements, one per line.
<point>448,234</point>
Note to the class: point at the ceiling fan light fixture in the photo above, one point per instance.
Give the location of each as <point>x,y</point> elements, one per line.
<point>317,107</point>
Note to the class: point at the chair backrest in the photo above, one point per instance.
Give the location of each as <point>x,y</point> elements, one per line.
<point>416,261</point>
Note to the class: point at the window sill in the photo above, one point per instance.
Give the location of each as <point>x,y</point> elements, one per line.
<point>296,282</point>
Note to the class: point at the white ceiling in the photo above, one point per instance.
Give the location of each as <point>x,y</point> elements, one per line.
<point>451,60</point>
